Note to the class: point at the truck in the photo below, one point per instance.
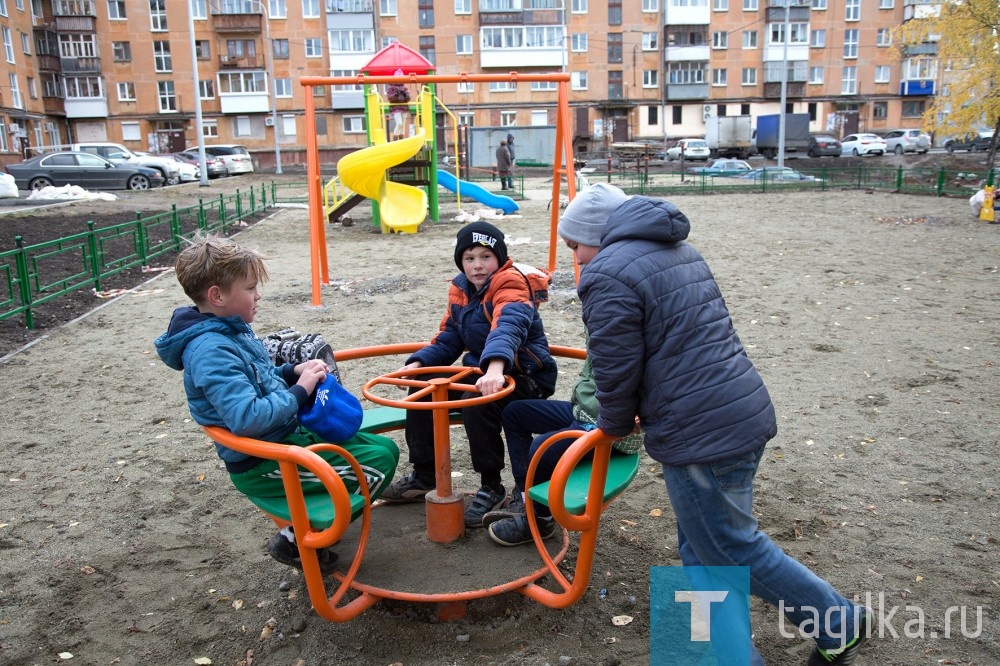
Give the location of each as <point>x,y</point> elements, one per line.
<point>796,134</point>
<point>729,136</point>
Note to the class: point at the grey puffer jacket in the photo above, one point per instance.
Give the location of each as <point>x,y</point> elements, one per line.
<point>663,346</point>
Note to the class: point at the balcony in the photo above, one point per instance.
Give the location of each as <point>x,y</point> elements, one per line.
<point>794,89</point>
<point>241,62</point>
<point>48,63</point>
<point>678,91</point>
<point>252,23</point>
<point>920,9</point>
<point>795,15</point>
<point>527,16</point>
<point>927,48</point>
<point>916,88</point>
<point>54,105</point>
<point>349,7</point>
<point>79,65</point>
<point>75,24</point>
<point>86,107</point>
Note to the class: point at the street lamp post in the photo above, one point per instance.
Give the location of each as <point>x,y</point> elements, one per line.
<point>784,90</point>
<point>271,84</point>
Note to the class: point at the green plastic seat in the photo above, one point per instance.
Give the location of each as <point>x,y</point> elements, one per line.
<point>380,419</point>
<point>622,468</point>
<point>318,506</point>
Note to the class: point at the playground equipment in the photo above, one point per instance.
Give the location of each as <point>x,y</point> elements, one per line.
<point>563,154</point>
<point>464,188</point>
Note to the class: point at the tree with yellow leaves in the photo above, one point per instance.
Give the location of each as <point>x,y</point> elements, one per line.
<point>967,35</point>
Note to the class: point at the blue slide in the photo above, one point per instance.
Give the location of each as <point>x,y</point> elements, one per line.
<point>482,195</point>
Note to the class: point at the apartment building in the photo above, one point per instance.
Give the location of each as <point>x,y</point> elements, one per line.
<point>134,71</point>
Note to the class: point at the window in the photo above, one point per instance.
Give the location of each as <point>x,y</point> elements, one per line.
<point>346,87</point>
<point>749,5</point>
<point>749,39</point>
<point>116,10</point>
<point>508,119</point>
<point>816,75</point>
<point>720,5</point>
<point>578,80</point>
<point>425,14</point>
<point>385,40</point>
<point>849,81</point>
<point>210,129</point>
<point>277,9</point>
<point>121,51</point>
<point>157,15</point>
<point>686,72</point>
<point>162,61</point>
<point>502,86</point>
<point>241,82</point>
<point>167,96</point>
<point>463,44</point>
<point>650,41</point>
<point>354,124</point>
<point>886,4</point>
<point>650,5</point>
<point>652,115</point>
<point>749,76</point>
<point>77,46</point>
<point>82,87</point>
<point>310,8</point>
<point>676,115</point>
<point>881,73</point>
<point>467,119</point>
<point>283,87</point>
<point>388,7</point>
<point>880,110</point>
<point>319,91</point>
<point>206,88</point>
<point>819,4</point>
<point>288,125</point>
<point>850,44</point>
<point>579,7</point>
<point>131,132</point>
<point>852,10</point>
<point>720,40</point>
<point>126,91</point>
<point>544,86</point>
<point>202,49</point>
<point>578,42</point>
<point>279,48</point>
<point>32,88</point>
<point>616,87</point>
<point>427,48</point>
<point>614,47</point>
<point>8,44</point>
<point>883,37</point>
<point>463,6</point>
<point>25,43</point>
<point>817,39</point>
<point>314,47</point>
<point>719,77</point>
<point>242,126</point>
<point>199,9</point>
<point>465,87</point>
<point>352,41</point>
<point>798,33</point>
<point>614,12</point>
<point>16,100</point>
<point>913,108</point>
<point>650,78</point>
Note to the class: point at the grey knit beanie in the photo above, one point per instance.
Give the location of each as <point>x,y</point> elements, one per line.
<point>587,214</point>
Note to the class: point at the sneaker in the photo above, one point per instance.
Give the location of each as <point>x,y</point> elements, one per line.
<point>286,552</point>
<point>846,655</point>
<point>513,507</point>
<point>514,531</point>
<point>407,489</point>
<point>485,501</point>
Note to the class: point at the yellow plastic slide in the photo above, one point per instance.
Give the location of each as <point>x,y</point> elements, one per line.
<point>401,207</point>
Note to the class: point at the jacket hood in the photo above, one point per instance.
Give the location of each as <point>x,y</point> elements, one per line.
<point>644,218</point>
<point>186,324</point>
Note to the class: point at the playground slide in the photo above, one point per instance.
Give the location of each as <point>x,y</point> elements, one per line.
<point>482,195</point>
<point>401,207</point>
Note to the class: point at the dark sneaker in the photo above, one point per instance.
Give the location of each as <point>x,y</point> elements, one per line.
<point>485,501</point>
<point>287,553</point>
<point>407,489</point>
<point>514,531</point>
<point>513,507</point>
<point>846,655</point>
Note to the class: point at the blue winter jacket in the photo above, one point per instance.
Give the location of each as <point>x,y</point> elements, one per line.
<point>499,321</point>
<point>663,346</point>
<point>229,378</point>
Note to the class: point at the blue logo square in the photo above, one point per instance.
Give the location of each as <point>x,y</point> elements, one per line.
<point>699,616</point>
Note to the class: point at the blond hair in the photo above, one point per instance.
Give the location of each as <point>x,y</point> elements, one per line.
<point>215,260</point>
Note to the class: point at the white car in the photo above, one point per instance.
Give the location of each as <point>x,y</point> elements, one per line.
<point>863,144</point>
<point>119,154</point>
<point>189,172</point>
<point>235,156</point>
<point>694,149</point>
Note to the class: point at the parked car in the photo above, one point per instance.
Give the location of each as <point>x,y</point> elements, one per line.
<point>215,166</point>
<point>777,174</point>
<point>83,169</point>
<point>694,149</point>
<point>119,154</point>
<point>188,172</point>
<point>970,142</point>
<point>862,144</point>
<point>235,156</point>
<point>723,167</point>
<point>901,141</point>
<point>823,145</point>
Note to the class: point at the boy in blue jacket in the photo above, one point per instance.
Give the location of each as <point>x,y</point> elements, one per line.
<point>231,382</point>
<point>663,349</point>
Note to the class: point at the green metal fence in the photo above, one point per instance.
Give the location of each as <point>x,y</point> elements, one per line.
<point>31,275</point>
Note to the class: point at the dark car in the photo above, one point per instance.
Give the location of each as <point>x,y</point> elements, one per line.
<point>84,170</point>
<point>970,142</point>
<point>215,166</point>
<point>821,145</point>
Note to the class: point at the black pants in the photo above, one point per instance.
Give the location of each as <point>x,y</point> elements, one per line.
<point>482,427</point>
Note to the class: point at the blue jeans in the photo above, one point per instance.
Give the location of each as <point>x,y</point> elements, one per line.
<point>713,503</point>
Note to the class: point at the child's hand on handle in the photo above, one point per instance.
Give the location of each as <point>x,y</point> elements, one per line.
<point>409,366</point>
<point>493,380</point>
<point>310,374</point>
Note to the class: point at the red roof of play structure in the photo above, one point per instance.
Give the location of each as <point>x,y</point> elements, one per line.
<point>394,57</point>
